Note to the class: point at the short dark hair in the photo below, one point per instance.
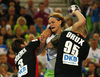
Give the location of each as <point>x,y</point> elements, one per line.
<point>41,3</point>
<point>16,44</point>
<point>23,7</point>
<point>3,19</point>
<point>31,25</point>
<point>92,63</point>
<point>93,39</point>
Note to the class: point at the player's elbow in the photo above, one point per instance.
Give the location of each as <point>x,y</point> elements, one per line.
<point>83,21</point>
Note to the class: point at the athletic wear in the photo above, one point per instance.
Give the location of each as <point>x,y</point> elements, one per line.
<point>72,50</point>
<point>94,55</point>
<point>51,57</point>
<point>51,54</point>
<point>26,61</point>
<point>49,73</point>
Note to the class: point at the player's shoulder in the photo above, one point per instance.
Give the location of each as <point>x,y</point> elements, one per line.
<point>86,44</point>
<point>67,32</point>
<point>49,38</point>
<point>34,40</point>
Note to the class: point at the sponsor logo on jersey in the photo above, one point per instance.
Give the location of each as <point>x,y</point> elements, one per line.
<point>70,59</point>
<point>22,71</point>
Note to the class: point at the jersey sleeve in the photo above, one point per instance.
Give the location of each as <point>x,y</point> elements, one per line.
<point>33,45</point>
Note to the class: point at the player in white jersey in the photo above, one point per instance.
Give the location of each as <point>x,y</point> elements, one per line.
<point>56,22</point>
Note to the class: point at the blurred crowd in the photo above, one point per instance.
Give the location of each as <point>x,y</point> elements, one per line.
<point>29,22</point>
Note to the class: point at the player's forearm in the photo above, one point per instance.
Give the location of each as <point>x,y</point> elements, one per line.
<point>91,12</point>
<point>40,49</point>
<point>46,33</point>
<point>97,64</point>
<point>80,17</point>
<point>81,20</point>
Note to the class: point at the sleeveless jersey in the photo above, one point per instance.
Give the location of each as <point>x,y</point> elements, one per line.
<point>26,61</point>
<point>72,50</point>
<point>51,54</point>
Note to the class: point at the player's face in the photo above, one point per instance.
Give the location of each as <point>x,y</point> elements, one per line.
<point>55,25</point>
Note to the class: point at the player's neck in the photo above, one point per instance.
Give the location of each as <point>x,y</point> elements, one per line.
<point>59,31</point>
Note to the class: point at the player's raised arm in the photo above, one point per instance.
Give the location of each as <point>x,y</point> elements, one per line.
<point>81,20</point>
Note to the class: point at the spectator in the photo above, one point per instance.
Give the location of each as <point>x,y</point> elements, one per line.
<point>47,8</point>
<point>58,10</point>
<point>10,36</point>
<point>3,32</point>
<point>96,36</point>
<point>4,7</point>
<point>69,23</point>
<point>3,60</point>
<point>84,71</point>
<point>28,18</point>
<point>15,72</point>
<point>3,23</point>
<point>3,48</point>
<point>41,14</point>
<point>18,33</point>
<point>21,21</point>
<point>95,17</point>
<point>30,38</point>
<point>32,30</point>
<point>11,17</point>
<point>94,53</point>
<point>30,9</point>
<point>84,4</point>
<point>40,72</point>
<point>17,4</point>
<point>39,25</point>
<point>3,70</point>
<point>43,58</point>
<point>5,2</point>
<point>91,72</point>
<point>10,57</point>
<point>1,11</point>
<point>12,3</point>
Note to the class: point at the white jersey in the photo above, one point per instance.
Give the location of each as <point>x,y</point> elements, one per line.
<point>68,29</point>
<point>42,59</point>
<point>51,54</point>
<point>94,55</point>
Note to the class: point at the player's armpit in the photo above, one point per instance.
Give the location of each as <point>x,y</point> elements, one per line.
<point>50,45</point>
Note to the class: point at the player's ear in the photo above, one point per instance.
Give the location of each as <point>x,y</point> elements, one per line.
<point>60,21</point>
<point>22,45</point>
